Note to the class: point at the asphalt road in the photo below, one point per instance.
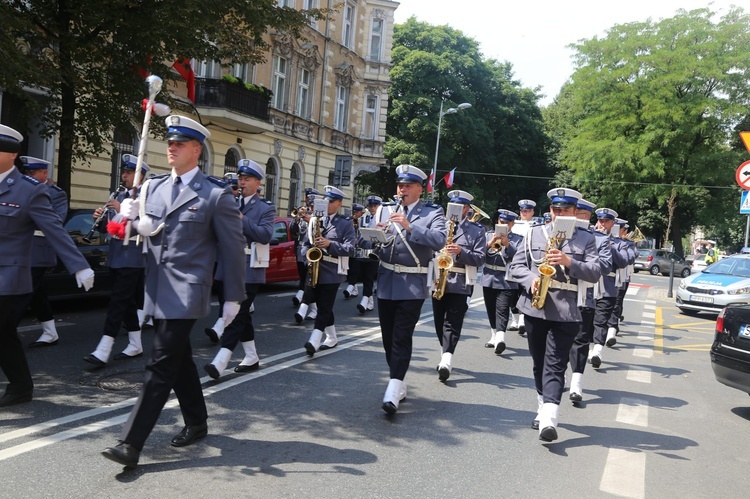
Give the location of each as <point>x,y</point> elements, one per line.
<point>654,421</point>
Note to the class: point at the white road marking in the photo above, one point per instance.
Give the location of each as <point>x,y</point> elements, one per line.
<point>34,327</point>
<point>639,374</point>
<point>646,353</point>
<point>282,295</point>
<point>649,315</point>
<point>624,473</point>
<point>632,291</point>
<point>633,411</point>
<point>649,307</point>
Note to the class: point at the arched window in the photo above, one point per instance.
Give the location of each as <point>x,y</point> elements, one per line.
<point>271,181</point>
<point>231,158</point>
<point>294,187</point>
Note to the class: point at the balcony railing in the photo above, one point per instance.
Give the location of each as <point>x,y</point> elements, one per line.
<point>225,95</point>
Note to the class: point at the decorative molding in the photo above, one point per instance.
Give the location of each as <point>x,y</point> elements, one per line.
<point>345,75</point>
<point>301,152</point>
<point>364,168</point>
<point>277,147</point>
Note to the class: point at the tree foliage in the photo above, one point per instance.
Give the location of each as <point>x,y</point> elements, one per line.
<point>84,57</point>
<point>502,134</point>
<point>648,117</point>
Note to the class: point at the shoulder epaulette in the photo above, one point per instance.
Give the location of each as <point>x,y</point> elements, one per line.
<point>217,181</point>
<point>30,180</point>
<point>432,205</point>
<point>56,188</point>
<point>266,201</point>
<point>346,217</point>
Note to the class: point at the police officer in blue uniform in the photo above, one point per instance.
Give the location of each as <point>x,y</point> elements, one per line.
<point>522,226</point>
<point>257,226</point>
<point>301,244</point>
<point>415,230</point>
<point>42,253</point>
<point>467,251</point>
<point>631,250</point>
<point>337,243</point>
<point>605,302</point>
<point>305,298</point>
<point>552,329</point>
<point>185,217</point>
<point>355,273</point>
<point>126,265</point>
<point>368,266</point>
<point>24,207</point>
<point>579,352</point>
<point>498,292</point>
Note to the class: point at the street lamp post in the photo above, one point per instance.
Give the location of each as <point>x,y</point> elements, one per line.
<point>451,110</point>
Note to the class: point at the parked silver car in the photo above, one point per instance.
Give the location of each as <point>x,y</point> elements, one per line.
<point>660,262</point>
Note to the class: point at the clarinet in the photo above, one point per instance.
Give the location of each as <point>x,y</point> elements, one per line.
<point>87,237</point>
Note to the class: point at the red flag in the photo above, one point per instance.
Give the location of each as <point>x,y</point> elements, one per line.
<point>448,179</point>
<point>182,65</point>
<point>430,182</point>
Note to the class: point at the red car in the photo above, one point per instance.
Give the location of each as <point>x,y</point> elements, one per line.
<point>283,265</point>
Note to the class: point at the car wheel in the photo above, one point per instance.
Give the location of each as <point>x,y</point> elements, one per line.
<point>654,270</point>
<point>686,272</point>
<point>636,270</point>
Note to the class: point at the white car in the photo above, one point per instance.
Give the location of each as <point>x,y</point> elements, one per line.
<point>698,264</point>
<point>726,282</point>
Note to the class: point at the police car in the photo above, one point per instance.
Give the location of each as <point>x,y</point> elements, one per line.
<point>726,282</point>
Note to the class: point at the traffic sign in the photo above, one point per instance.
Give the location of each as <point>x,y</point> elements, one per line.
<point>743,175</point>
<point>745,136</point>
<point>745,203</point>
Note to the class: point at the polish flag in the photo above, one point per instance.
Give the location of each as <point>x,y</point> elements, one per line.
<point>182,65</point>
<point>448,179</point>
<point>431,182</point>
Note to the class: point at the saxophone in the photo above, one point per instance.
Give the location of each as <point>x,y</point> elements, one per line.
<point>444,263</point>
<point>546,271</point>
<point>314,255</point>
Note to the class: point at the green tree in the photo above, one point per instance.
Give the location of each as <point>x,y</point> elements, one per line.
<point>501,134</point>
<point>652,109</point>
<point>84,57</point>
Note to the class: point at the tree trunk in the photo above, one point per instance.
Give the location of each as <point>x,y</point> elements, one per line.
<point>67,101</point>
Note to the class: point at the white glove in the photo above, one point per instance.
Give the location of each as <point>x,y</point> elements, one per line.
<point>229,312</point>
<point>85,279</point>
<point>144,226</point>
<point>129,208</point>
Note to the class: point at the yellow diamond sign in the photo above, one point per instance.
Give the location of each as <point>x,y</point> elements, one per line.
<point>745,136</point>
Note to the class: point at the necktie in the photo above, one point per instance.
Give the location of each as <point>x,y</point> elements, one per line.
<point>176,188</point>
<point>242,203</point>
<point>406,211</point>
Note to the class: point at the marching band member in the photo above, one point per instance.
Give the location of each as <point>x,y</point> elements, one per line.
<point>308,309</point>
<point>257,216</point>
<point>42,253</point>
<point>126,266</point>
<point>552,329</point>
<point>26,202</point>
<point>418,229</point>
<point>521,227</point>
<point>632,251</point>
<point>579,352</point>
<point>605,303</point>
<point>354,268</point>
<point>499,292</point>
<point>368,266</point>
<point>186,218</point>
<point>336,241</point>
<point>467,250</point>
<point>301,245</point>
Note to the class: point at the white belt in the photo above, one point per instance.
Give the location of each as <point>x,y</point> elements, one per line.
<point>612,274</point>
<point>402,269</point>
<point>565,286</point>
<point>132,238</point>
<point>493,267</point>
<point>330,259</point>
<point>39,233</point>
<point>457,270</point>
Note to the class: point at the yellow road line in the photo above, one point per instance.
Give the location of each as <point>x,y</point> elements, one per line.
<point>689,324</point>
<point>658,331</point>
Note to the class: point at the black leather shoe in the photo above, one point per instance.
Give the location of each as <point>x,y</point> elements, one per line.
<point>91,359</point>
<point>15,398</point>
<point>190,434</point>
<point>500,347</point>
<point>489,344</point>
<point>361,309</point>
<point>211,371</point>
<point>548,434</point>
<point>326,347</point>
<point>123,453</point>
<point>347,294</point>
<point>124,356</point>
<point>535,424</point>
<point>443,373</point>
<point>247,369</point>
<point>295,301</point>
<point>211,335</point>
<point>390,408</point>
<point>576,397</point>
<point>38,344</point>
<point>298,318</point>
<point>611,342</point>
<point>310,349</point>
<point>522,330</point>
<point>596,361</point>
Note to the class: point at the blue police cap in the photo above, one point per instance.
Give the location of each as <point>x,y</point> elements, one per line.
<point>30,163</point>
<point>462,197</point>
<point>586,205</point>
<point>561,197</point>
<point>333,193</point>
<point>526,204</point>
<point>506,215</point>
<point>182,129</point>
<point>10,139</point>
<point>606,213</point>
<point>374,200</point>
<point>408,174</point>
<point>250,168</point>
<point>130,161</point>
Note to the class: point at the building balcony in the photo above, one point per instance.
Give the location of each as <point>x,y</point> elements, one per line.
<point>232,104</point>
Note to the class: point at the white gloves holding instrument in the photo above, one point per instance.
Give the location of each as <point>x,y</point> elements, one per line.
<point>85,279</point>
<point>129,209</point>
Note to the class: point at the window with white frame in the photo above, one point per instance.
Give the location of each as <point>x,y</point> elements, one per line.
<point>279,82</point>
<point>206,69</point>
<point>341,110</point>
<point>349,25</point>
<point>243,71</point>
<point>271,183</point>
<point>307,5</point>
<point>303,94</point>
<point>376,39</point>
<point>370,128</point>
<point>285,3</point>
<point>294,188</point>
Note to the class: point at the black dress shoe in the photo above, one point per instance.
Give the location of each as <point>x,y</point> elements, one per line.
<point>295,301</point>
<point>190,434</point>
<point>38,344</point>
<point>124,356</point>
<point>247,369</point>
<point>611,342</point>
<point>361,309</point>
<point>310,349</point>
<point>596,361</point>
<point>548,434</point>
<point>298,318</point>
<point>92,359</point>
<point>489,344</point>
<point>123,453</point>
<point>347,294</point>
<point>576,397</point>
<point>443,373</point>
<point>535,424</point>
<point>390,408</point>
<point>326,347</point>
<point>500,347</point>
<point>211,335</point>
<point>15,398</point>
<point>211,371</point>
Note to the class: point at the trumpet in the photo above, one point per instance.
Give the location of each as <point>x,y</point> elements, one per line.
<point>478,214</point>
<point>87,237</point>
<point>444,263</point>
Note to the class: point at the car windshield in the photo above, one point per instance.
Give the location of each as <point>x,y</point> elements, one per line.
<point>730,266</point>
